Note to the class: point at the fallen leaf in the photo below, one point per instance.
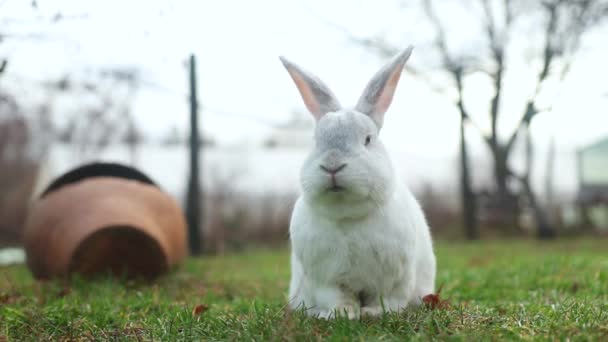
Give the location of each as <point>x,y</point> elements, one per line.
<point>65,290</point>
<point>9,298</point>
<point>434,300</point>
<point>574,287</point>
<point>479,261</point>
<point>5,298</point>
<point>199,309</point>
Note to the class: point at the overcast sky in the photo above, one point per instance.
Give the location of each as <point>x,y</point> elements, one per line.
<point>238,42</point>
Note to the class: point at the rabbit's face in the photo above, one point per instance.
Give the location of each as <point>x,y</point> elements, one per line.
<point>348,173</point>
<point>348,163</point>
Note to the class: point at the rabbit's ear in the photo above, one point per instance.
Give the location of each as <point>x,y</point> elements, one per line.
<point>378,93</point>
<point>316,95</point>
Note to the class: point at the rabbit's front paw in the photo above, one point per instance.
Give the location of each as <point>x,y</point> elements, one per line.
<point>348,311</point>
<point>371,311</point>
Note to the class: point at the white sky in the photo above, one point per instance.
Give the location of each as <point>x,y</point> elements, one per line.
<point>237,43</point>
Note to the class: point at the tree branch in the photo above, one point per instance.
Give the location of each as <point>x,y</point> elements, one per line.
<point>560,44</point>
<point>440,40</point>
<point>455,69</point>
<point>381,48</point>
<point>497,48</point>
<point>529,113</point>
<point>548,56</point>
<point>508,4</point>
<point>464,114</point>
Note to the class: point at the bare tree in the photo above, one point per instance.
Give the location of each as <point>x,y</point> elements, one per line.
<point>132,137</point>
<point>99,102</point>
<point>102,112</point>
<point>561,25</point>
<point>20,155</point>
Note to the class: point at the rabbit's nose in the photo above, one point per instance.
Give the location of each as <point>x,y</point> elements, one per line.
<point>334,170</point>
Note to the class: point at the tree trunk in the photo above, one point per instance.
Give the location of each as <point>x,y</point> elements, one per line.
<point>545,229</point>
<point>549,183</point>
<point>469,207</point>
<point>501,172</point>
<point>506,203</point>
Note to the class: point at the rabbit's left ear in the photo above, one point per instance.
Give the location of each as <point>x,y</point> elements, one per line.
<point>378,93</point>
<point>316,95</point>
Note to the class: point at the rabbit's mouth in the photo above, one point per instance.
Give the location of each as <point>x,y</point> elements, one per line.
<point>335,188</point>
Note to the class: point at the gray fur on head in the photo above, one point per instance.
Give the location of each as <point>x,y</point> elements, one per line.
<point>348,172</point>
<point>367,178</point>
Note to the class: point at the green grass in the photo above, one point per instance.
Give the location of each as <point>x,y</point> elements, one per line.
<point>498,291</point>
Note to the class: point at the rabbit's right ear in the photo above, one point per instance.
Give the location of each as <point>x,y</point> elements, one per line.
<point>378,93</point>
<point>316,95</point>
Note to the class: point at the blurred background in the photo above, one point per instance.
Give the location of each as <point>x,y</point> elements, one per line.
<point>499,125</point>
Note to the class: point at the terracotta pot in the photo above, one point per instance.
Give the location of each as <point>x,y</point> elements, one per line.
<point>104,217</point>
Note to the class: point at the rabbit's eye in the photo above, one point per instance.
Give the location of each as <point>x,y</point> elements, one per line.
<point>368,139</point>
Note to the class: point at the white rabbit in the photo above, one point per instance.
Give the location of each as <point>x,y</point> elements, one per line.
<point>360,241</point>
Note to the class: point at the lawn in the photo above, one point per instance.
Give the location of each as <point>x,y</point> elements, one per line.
<point>496,290</point>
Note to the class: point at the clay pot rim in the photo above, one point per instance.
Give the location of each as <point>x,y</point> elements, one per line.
<point>97,169</point>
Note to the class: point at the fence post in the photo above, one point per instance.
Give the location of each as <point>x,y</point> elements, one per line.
<point>194,203</point>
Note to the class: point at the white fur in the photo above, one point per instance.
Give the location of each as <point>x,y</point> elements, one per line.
<point>388,255</point>
<point>365,248</point>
